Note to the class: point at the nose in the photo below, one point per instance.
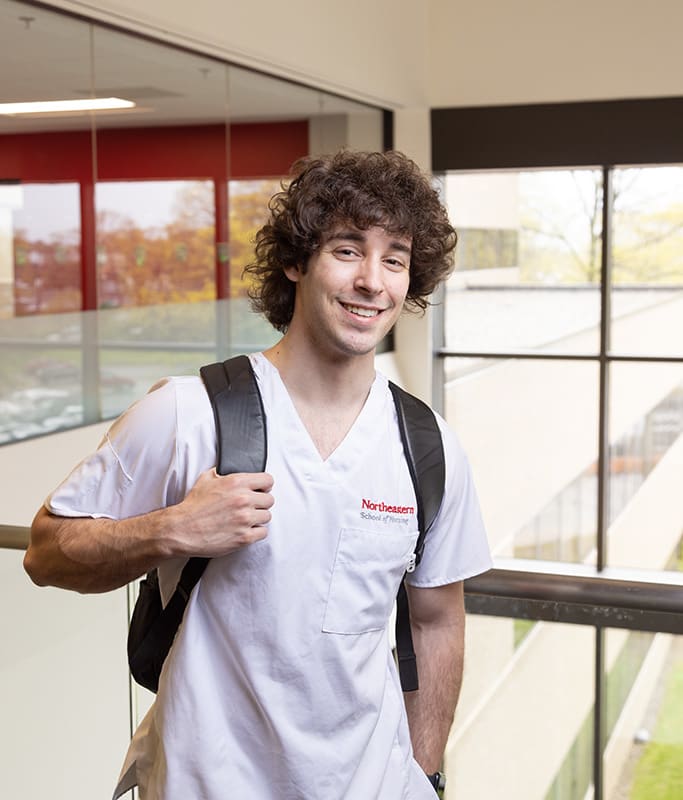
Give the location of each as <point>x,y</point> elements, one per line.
<point>368,277</point>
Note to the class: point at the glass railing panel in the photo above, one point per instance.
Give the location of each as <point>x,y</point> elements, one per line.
<point>524,723</point>
<point>63,688</point>
<point>643,756</point>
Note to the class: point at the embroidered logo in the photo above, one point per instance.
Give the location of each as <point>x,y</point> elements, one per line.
<point>385,508</point>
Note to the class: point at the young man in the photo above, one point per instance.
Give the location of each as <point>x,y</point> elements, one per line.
<point>281,684</point>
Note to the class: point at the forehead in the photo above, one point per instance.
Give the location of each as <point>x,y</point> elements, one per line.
<point>376,235</point>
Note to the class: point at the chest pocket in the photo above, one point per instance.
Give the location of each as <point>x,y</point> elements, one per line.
<point>367,573</point>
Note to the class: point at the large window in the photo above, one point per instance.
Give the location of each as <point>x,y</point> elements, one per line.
<point>561,353</point>
<point>523,324</point>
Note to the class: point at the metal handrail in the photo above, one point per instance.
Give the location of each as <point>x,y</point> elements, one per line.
<point>550,591</point>
<point>574,593</point>
<point>14,537</point>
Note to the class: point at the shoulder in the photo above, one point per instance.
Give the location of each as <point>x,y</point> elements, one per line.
<point>165,409</point>
<point>149,457</point>
<point>171,428</point>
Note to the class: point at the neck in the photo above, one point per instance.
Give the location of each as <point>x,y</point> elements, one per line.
<point>322,379</point>
<point>328,393</point>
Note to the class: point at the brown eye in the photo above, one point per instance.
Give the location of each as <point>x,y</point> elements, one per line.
<point>395,264</point>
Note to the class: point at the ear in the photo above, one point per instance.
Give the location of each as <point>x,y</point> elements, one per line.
<point>293,273</point>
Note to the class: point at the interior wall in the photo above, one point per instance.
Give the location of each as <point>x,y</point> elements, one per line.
<point>532,51</point>
<point>370,51</point>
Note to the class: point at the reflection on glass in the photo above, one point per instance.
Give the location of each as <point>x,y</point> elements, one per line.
<point>248,212</point>
<point>530,430</point>
<point>40,237</point>
<point>523,728</point>
<point>46,387</point>
<point>647,258</point>
<point>155,242</point>
<point>643,757</point>
<point>646,463</point>
<point>138,346</point>
<point>182,184</point>
<point>40,361</point>
<point>528,260</point>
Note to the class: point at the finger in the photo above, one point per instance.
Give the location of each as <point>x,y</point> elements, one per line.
<point>261,518</point>
<point>261,500</point>
<point>257,533</point>
<point>256,481</point>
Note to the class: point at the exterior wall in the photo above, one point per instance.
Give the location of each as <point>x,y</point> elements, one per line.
<point>534,51</point>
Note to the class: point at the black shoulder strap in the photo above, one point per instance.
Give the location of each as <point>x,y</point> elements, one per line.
<point>241,441</point>
<point>423,448</point>
<point>240,418</point>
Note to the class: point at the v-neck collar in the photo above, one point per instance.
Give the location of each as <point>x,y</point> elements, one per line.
<point>296,438</point>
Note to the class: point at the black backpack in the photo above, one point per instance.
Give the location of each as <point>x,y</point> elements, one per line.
<point>242,447</point>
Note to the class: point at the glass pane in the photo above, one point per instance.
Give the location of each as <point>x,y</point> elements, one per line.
<point>528,260</point>
<point>643,757</point>
<point>182,183</point>
<point>162,169</point>
<point>137,346</point>
<point>80,643</point>
<point>331,121</point>
<point>646,464</point>
<point>524,725</point>
<point>647,271</point>
<point>530,431</point>
<point>155,242</point>
<point>43,160</point>
<point>248,212</point>
<point>40,361</point>
<point>40,255</point>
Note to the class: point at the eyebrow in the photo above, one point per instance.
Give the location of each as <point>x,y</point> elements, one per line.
<point>359,236</point>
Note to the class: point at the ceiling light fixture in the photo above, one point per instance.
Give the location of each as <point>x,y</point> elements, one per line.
<point>65,106</point>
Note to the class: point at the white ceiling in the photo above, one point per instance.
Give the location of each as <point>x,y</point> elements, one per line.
<point>48,56</point>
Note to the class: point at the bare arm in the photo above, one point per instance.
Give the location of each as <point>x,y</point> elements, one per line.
<point>219,515</point>
<point>437,619</point>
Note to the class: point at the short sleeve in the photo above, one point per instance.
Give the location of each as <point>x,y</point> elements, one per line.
<point>134,469</point>
<point>456,546</point>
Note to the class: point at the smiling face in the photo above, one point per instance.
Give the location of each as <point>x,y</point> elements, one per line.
<point>352,290</point>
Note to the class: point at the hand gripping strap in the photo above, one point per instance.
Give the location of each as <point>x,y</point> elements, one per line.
<point>240,435</point>
<point>241,447</point>
<point>423,448</point>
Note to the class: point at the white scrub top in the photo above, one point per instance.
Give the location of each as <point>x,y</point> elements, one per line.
<point>281,684</point>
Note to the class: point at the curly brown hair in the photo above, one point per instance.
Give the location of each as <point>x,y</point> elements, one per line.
<point>387,190</point>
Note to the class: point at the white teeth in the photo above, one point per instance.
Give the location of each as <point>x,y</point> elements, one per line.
<point>362,312</point>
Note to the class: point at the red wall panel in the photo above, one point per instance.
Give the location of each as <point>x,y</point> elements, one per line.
<point>175,152</point>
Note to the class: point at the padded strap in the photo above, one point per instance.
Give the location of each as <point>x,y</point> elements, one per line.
<point>239,414</point>
<point>423,449</point>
